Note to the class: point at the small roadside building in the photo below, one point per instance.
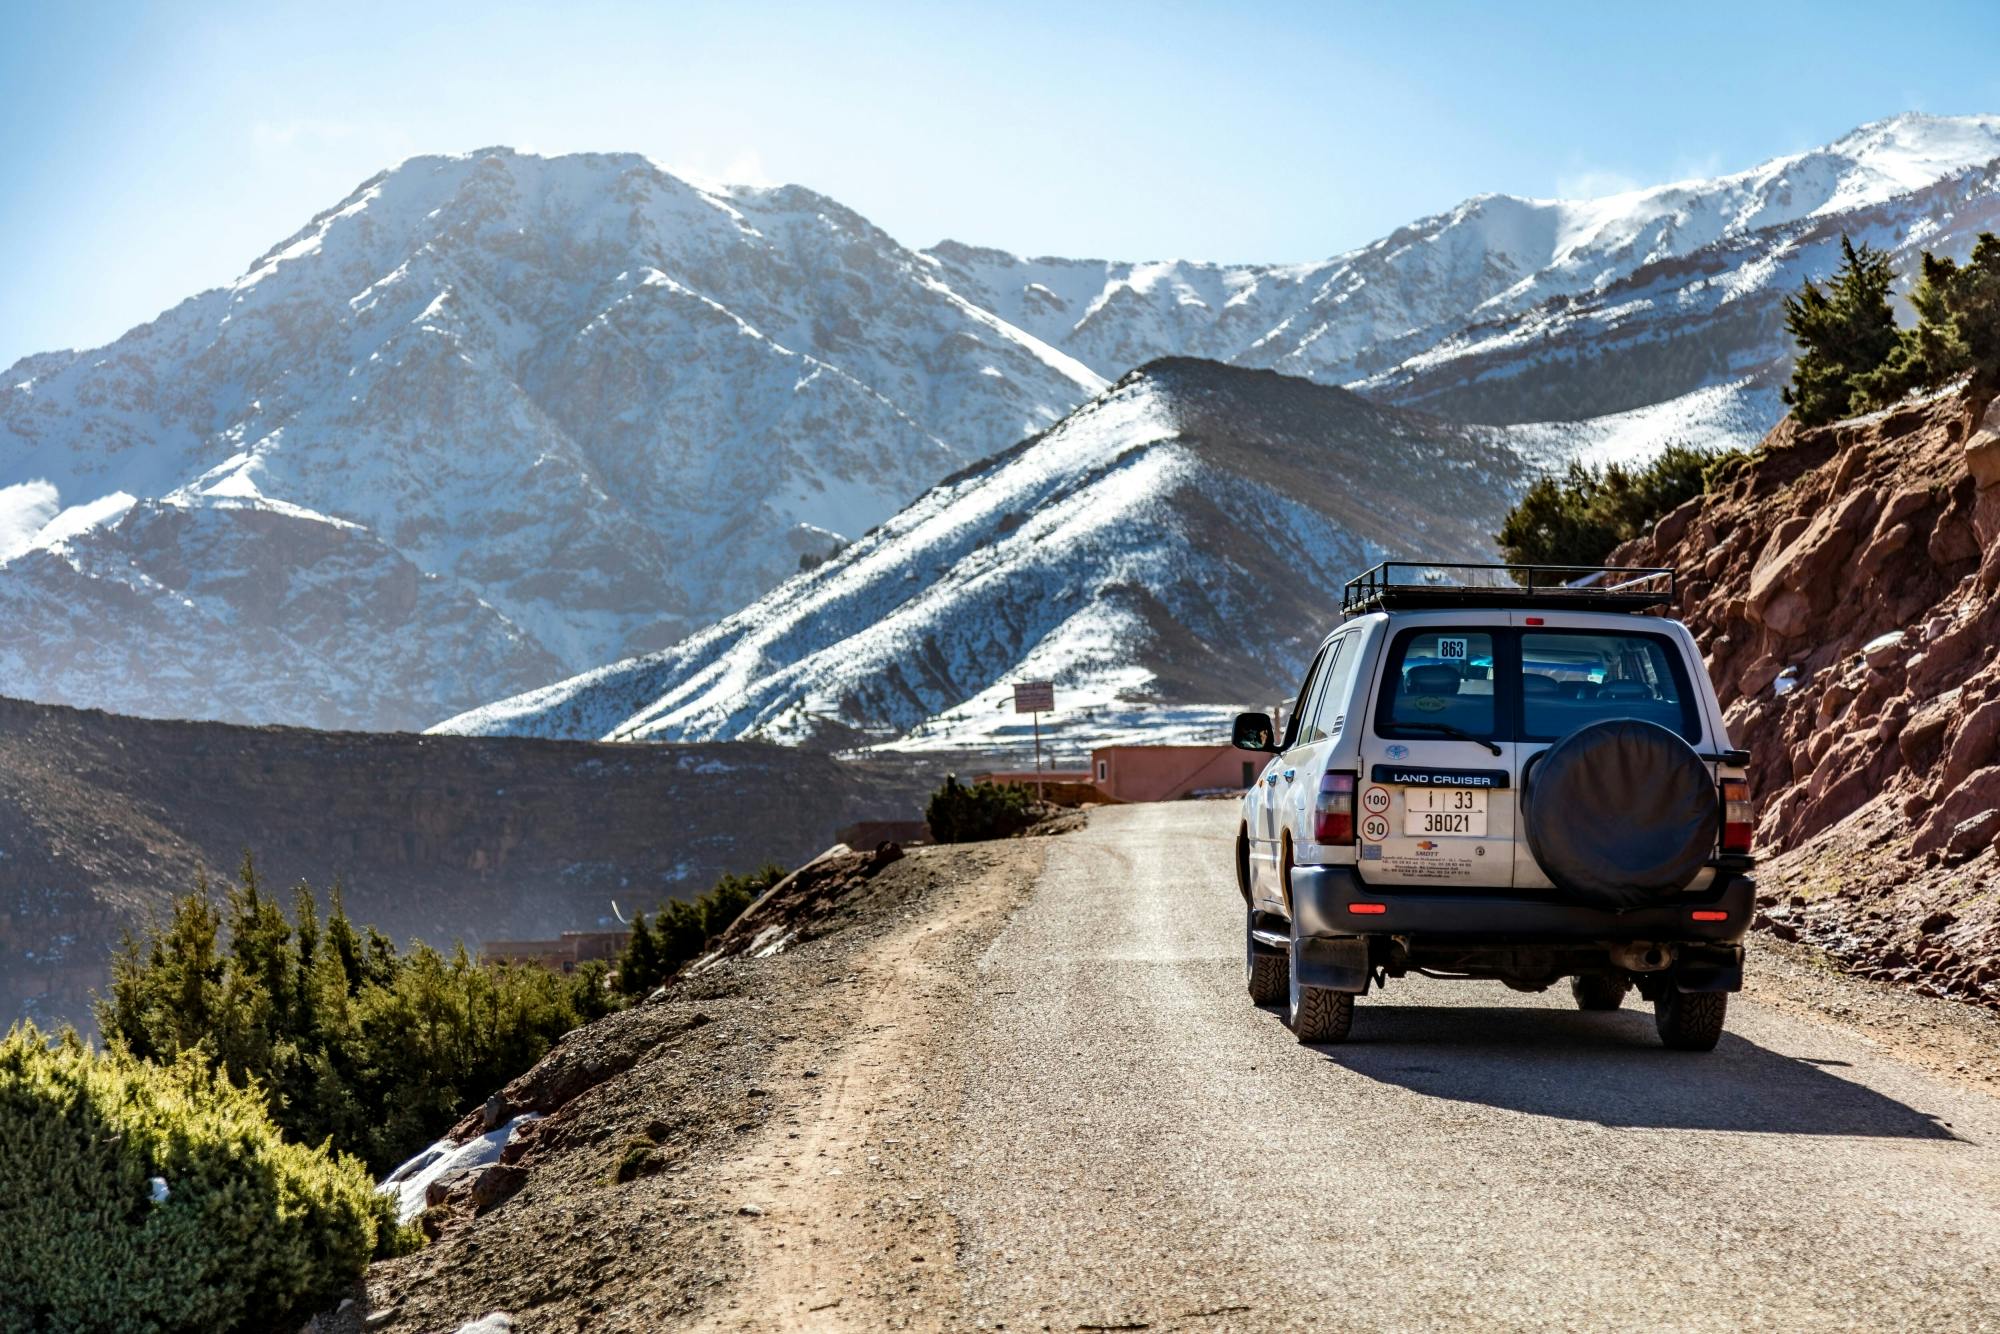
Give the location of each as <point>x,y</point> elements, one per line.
<point>563,954</point>
<point>1168,773</point>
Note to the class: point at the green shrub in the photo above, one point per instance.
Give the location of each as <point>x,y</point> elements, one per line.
<point>253,1232</point>
<point>960,814</point>
<point>682,928</point>
<point>347,1039</point>
<point>1577,518</point>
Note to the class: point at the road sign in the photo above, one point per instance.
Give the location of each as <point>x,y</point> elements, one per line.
<point>1034,696</point>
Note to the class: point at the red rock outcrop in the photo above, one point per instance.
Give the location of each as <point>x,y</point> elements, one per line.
<point>1844,585</point>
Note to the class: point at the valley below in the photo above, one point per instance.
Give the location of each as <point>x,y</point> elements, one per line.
<point>103,819</point>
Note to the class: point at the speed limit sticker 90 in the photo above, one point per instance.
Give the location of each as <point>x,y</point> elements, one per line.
<point>1375,801</point>
<point>1375,828</point>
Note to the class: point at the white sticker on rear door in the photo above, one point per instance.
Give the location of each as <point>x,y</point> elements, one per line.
<point>1451,648</point>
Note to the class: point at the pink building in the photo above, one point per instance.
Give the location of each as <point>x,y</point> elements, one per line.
<point>1167,773</point>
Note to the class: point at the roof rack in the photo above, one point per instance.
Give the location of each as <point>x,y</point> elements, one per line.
<point>1428,585</point>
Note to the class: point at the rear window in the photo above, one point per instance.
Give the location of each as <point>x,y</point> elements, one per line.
<point>1439,677</point>
<point>1531,685</point>
<point>1571,678</point>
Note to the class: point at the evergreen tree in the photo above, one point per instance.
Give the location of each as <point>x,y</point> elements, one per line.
<point>639,966</point>
<point>1845,331</point>
<point>683,931</point>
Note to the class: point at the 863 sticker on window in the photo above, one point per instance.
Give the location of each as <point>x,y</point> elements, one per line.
<point>1451,648</point>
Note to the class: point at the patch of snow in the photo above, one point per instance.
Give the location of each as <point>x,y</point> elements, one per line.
<point>412,1181</point>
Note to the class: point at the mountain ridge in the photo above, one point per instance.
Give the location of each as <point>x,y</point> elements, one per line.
<point>587,408</point>
<point>1142,553</point>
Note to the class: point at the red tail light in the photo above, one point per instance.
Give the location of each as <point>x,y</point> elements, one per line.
<point>1333,817</point>
<point>1368,909</point>
<point>1739,819</point>
<point>1708,915</point>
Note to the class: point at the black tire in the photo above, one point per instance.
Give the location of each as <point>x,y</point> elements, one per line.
<point>1316,1014</point>
<point>1599,993</point>
<point>1268,978</point>
<point>1690,1020</point>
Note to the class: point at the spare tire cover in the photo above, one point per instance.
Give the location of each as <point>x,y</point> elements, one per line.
<point>1620,814</point>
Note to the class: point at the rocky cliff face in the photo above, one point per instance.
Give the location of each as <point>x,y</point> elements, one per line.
<point>103,818</point>
<point>1844,584</point>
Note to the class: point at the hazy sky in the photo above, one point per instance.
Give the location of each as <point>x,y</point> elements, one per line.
<point>149,151</point>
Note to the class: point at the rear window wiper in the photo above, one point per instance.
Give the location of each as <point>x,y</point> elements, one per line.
<point>1449,730</point>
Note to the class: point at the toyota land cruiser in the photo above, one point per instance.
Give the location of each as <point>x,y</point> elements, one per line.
<point>1507,772</point>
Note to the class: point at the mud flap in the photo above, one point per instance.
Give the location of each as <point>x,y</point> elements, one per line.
<point>1708,968</point>
<point>1339,964</point>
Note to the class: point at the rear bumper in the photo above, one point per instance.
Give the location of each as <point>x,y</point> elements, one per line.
<point>1322,899</point>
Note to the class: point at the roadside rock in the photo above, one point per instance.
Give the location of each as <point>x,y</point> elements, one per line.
<point>1849,609</point>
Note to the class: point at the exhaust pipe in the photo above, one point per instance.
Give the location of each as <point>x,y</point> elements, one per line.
<point>1642,956</point>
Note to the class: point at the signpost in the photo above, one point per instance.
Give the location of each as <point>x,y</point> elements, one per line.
<point>1037,698</point>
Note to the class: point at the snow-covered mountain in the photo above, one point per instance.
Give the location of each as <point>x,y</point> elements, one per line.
<point>579,406</point>
<point>1507,309</point>
<point>1167,552</point>
<point>494,418</point>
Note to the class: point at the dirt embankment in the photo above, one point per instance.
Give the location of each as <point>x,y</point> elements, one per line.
<point>1844,585</point>
<point>725,1155</point>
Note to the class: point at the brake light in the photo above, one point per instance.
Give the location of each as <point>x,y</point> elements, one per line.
<point>1708,915</point>
<point>1333,817</point>
<point>1739,818</point>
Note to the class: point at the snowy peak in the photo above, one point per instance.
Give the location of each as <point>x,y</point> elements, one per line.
<point>1164,553</point>
<point>602,403</point>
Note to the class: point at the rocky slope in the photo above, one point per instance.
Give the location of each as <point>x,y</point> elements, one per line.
<point>494,418</point>
<point>1169,552</point>
<point>102,818</point>
<point>1845,586</point>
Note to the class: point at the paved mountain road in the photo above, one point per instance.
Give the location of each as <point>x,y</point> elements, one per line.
<point>1136,1145</point>
<point>1043,1100</point>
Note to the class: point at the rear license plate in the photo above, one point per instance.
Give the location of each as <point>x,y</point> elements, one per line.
<point>1449,811</point>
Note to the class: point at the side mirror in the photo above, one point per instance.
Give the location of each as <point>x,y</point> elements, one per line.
<point>1253,731</point>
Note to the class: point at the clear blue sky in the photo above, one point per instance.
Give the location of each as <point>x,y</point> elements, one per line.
<point>150,151</point>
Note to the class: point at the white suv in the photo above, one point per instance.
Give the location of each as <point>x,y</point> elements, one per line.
<point>1504,772</point>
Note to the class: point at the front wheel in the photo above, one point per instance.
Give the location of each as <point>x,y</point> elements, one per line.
<point>1690,1020</point>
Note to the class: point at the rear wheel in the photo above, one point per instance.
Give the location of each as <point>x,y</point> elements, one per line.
<point>1690,1020</point>
<point>1599,993</point>
<point>1266,973</point>
<point>1315,1013</point>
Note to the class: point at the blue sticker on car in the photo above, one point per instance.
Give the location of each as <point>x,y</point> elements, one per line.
<point>1398,752</point>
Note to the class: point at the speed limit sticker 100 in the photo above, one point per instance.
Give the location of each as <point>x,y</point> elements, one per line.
<point>1375,801</point>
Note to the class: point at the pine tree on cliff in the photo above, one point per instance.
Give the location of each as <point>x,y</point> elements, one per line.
<point>1845,331</point>
<point>1958,329</point>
